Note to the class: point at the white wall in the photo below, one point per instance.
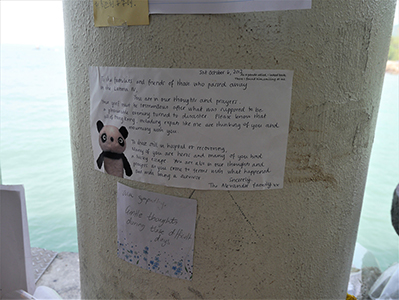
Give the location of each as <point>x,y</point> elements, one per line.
<point>292,243</point>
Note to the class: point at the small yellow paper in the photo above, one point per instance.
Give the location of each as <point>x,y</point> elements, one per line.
<point>120,12</point>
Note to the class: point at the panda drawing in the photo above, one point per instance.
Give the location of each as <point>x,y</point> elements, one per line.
<point>112,142</point>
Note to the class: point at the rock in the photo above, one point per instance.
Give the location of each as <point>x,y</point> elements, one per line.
<point>369,276</point>
<point>395,210</point>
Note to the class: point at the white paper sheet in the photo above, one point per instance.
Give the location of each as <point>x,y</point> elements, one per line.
<point>223,6</point>
<point>202,129</point>
<point>156,232</point>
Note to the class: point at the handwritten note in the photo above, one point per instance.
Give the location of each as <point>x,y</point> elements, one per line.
<point>223,6</point>
<point>156,232</point>
<point>120,12</point>
<point>196,128</point>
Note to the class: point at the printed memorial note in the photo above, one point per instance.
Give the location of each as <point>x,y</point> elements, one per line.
<point>195,128</point>
<point>156,232</point>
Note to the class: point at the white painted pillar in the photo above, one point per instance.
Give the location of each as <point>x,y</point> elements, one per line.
<point>293,243</point>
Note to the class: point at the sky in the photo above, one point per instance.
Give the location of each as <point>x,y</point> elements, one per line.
<point>40,23</point>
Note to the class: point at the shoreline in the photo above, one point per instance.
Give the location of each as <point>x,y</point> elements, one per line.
<point>392,67</point>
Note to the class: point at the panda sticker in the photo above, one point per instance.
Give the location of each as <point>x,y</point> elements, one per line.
<point>112,142</point>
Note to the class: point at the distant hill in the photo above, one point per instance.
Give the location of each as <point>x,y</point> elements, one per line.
<point>395,30</point>
<point>394,46</point>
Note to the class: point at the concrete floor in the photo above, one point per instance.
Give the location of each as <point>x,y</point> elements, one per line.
<point>63,275</point>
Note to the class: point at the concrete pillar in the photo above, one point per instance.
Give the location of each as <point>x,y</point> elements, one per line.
<point>292,243</point>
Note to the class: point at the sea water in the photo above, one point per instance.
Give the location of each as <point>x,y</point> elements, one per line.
<point>35,152</point>
<point>35,143</point>
<point>376,232</point>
